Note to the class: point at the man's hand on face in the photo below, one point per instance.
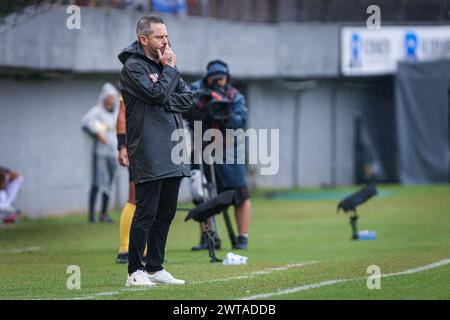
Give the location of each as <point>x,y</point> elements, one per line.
<point>168,58</point>
<point>123,157</point>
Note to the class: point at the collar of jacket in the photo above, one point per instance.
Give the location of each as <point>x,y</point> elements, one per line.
<point>136,49</point>
<point>141,53</point>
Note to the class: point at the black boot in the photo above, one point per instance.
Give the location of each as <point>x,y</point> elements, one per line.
<point>241,243</point>
<point>203,245</point>
<point>104,217</point>
<point>122,258</point>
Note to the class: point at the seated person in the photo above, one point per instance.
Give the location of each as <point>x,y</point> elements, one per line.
<point>10,184</point>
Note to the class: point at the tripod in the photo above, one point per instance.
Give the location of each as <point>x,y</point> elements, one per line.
<point>211,242</point>
<point>211,188</point>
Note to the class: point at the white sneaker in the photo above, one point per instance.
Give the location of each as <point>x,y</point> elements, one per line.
<point>139,278</point>
<point>164,277</point>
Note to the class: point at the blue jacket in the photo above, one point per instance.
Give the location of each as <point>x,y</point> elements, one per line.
<point>230,175</point>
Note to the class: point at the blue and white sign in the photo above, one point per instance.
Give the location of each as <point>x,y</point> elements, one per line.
<point>377,52</point>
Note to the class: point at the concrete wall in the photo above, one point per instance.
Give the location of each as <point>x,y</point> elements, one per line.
<point>316,123</point>
<point>40,117</point>
<point>40,136</point>
<point>272,108</point>
<point>252,50</point>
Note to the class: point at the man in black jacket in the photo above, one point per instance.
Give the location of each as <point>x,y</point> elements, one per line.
<point>155,96</point>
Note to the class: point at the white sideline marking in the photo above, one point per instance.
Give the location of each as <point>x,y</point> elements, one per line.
<point>297,289</point>
<point>21,250</point>
<point>419,269</point>
<point>257,273</point>
<point>138,289</point>
<point>251,275</point>
<point>93,296</point>
<point>335,281</point>
<point>279,292</point>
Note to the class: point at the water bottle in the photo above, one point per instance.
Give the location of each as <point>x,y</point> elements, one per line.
<point>367,235</point>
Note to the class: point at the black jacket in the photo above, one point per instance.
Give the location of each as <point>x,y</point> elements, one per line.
<point>152,114</point>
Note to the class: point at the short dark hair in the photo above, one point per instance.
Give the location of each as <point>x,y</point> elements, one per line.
<point>144,25</point>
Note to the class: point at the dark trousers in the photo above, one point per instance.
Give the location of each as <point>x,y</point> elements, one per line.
<point>156,204</point>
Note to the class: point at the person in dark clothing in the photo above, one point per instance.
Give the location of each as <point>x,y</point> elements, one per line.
<point>230,176</point>
<point>155,95</point>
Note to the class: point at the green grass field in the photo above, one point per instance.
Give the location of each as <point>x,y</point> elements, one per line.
<point>299,249</point>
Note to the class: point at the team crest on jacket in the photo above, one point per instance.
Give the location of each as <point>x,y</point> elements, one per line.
<point>154,77</point>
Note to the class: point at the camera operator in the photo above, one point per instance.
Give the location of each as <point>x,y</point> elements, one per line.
<point>215,91</point>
